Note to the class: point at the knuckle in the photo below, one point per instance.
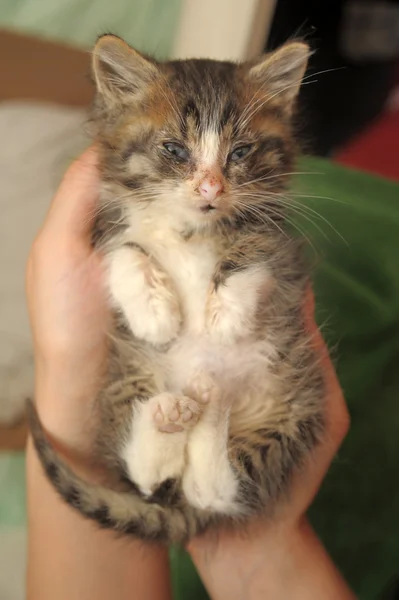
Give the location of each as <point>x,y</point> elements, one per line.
<point>80,167</point>
<point>341,423</point>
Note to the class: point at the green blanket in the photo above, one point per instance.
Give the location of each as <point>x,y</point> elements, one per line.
<point>357,287</point>
<point>356,239</point>
<point>149,25</point>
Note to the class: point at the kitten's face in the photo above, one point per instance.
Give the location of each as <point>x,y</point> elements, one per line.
<point>204,140</point>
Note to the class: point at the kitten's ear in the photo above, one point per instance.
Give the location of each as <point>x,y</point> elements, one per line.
<point>281,72</point>
<point>118,69</point>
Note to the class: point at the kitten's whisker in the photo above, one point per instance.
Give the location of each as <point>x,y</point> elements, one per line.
<point>289,202</point>
<point>302,214</point>
<point>174,106</point>
<point>297,195</point>
<point>123,199</point>
<point>288,220</point>
<point>277,175</point>
<point>322,72</point>
<point>302,233</point>
<point>271,96</point>
<point>251,103</point>
<point>300,209</point>
<point>262,216</point>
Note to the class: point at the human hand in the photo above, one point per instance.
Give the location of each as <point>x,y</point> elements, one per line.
<point>67,304</point>
<point>282,558</point>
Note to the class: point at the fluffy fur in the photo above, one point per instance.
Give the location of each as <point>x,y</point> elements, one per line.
<point>214,395</point>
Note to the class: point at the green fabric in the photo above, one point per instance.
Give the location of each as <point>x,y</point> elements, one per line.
<point>357,289</point>
<point>147,24</point>
<point>12,486</point>
<point>356,512</point>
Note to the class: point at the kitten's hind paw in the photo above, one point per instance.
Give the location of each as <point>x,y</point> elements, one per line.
<point>173,413</point>
<point>202,388</point>
<point>215,488</point>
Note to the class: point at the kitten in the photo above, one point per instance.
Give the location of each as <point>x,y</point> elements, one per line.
<point>214,395</point>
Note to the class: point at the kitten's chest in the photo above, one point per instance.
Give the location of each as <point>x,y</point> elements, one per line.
<point>189,263</point>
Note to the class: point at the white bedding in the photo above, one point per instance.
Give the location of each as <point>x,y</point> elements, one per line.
<point>38,142</point>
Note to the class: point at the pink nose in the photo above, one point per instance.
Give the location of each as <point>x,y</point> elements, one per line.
<point>210,189</point>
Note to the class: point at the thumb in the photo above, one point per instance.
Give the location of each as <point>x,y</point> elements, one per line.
<point>73,208</point>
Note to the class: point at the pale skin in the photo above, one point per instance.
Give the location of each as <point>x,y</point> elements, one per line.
<point>68,557</point>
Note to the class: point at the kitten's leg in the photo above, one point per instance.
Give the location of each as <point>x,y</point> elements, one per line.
<point>265,460</point>
<point>273,433</point>
<point>145,295</point>
<point>209,482</point>
<point>156,447</point>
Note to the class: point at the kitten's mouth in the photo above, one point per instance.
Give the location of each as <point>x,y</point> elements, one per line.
<point>207,208</point>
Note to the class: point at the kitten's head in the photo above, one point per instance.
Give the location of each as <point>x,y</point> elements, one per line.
<point>204,140</point>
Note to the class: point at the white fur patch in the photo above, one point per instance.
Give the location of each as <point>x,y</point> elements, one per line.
<point>209,482</point>
<point>153,455</point>
<point>209,148</point>
<point>139,165</point>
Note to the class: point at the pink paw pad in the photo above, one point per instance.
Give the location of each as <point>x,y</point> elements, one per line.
<point>174,413</point>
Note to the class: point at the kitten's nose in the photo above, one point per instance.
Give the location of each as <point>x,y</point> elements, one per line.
<point>210,188</point>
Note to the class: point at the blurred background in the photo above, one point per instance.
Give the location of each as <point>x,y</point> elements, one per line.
<point>348,119</point>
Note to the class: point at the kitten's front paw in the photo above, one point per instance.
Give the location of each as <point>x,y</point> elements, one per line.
<point>231,309</point>
<point>157,317</point>
<point>145,294</point>
<point>203,388</point>
<point>226,320</point>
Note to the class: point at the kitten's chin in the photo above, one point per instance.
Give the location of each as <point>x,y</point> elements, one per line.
<point>202,221</point>
<point>203,215</point>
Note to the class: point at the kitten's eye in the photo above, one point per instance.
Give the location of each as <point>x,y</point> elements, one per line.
<point>177,150</point>
<point>240,152</point>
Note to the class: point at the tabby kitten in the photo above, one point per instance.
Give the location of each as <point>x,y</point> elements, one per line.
<point>214,396</point>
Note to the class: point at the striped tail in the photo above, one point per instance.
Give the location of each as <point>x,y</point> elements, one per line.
<point>125,512</point>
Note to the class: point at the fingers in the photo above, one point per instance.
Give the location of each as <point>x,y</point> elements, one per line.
<point>73,208</point>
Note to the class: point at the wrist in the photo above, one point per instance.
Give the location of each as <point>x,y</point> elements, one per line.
<point>66,403</point>
<point>276,560</point>
<point>244,546</point>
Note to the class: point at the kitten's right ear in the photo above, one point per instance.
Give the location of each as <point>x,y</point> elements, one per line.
<point>119,70</point>
<point>281,72</point>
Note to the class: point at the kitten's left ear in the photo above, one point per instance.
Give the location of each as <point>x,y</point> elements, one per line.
<point>119,70</point>
<point>281,72</point>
